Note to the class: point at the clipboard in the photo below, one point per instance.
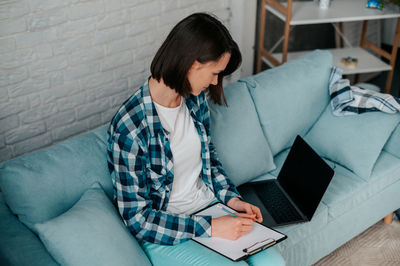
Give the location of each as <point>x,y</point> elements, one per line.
<point>259,239</point>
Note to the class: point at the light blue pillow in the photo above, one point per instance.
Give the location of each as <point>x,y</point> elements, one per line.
<point>238,137</point>
<point>91,233</point>
<point>46,183</point>
<point>393,144</point>
<point>291,97</point>
<point>353,141</point>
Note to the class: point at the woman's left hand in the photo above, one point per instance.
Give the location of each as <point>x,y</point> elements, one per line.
<point>241,206</point>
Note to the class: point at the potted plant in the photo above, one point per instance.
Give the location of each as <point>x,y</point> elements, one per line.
<point>382,3</point>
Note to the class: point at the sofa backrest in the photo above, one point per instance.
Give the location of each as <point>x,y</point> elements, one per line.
<point>237,135</point>
<point>290,98</point>
<point>46,183</point>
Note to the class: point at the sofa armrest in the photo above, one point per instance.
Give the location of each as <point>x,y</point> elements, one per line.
<point>393,144</point>
<point>18,245</point>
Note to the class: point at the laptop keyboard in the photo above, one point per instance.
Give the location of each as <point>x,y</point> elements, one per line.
<point>277,204</point>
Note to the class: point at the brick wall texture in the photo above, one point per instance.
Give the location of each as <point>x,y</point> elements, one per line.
<point>67,65</point>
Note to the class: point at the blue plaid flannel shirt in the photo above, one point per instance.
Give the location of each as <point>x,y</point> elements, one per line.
<point>141,165</point>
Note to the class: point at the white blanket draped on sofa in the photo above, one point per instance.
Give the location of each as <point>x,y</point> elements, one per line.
<point>351,100</point>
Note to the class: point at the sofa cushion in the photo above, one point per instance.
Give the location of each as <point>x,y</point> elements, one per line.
<point>238,137</point>
<point>347,190</point>
<point>279,160</point>
<point>290,98</point>
<point>16,239</point>
<point>393,144</point>
<point>353,141</point>
<point>298,232</point>
<point>44,184</point>
<point>91,233</point>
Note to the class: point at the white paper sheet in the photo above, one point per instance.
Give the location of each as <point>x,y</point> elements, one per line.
<point>259,236</point>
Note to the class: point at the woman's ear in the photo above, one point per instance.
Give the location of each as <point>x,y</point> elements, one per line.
<point>196,65</point>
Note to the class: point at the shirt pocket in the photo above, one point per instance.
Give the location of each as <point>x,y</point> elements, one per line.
<point>157,188</point>
<point>156,180</point>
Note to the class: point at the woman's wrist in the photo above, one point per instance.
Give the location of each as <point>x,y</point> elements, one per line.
<point>232,202</point>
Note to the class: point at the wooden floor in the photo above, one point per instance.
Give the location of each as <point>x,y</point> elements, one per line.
<point>378,245</point>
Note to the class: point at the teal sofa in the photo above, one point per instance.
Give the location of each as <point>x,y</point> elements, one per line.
<point>57,199</point>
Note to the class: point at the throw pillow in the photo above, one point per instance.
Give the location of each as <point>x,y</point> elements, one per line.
<point>91,233</point>
<point>393,144</point>
<point>44,184</point>
<point>291,97</point>
<point>353,141</point>
<point>238,137</point>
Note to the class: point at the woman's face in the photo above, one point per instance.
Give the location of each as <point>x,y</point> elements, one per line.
<point>201,76</point>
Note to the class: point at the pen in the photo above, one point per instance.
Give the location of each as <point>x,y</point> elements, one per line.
<point>228,211</point>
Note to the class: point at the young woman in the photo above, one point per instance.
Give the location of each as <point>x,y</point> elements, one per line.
<point>163,165</point>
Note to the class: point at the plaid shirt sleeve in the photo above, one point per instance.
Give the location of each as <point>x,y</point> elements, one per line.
<point>223,186</point>
<point>132,192</point>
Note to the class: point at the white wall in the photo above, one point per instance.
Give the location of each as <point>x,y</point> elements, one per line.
<point>67,65</point>
<point>243,30</point>
<point>388,31</point>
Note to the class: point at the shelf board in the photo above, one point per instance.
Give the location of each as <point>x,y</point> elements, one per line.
<point>367,62</point>
<point>308,12</point>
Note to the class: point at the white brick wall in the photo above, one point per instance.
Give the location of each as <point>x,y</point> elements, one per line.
<point>66,65</point>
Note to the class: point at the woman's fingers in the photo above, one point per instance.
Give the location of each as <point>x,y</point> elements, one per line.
<point>257,212</point>
<point>246,229</point>
<point>253,210</point>
<point>255,216</point>
<point>246,225</point>
<point>230,227</point>
<point>245,215</point>
<point>245,221</point>
<point>248,208</point>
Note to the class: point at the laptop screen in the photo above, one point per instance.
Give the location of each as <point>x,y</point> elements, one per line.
<point>305,176</point>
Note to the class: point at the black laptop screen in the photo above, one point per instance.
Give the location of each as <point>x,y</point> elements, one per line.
<point>305,176</point>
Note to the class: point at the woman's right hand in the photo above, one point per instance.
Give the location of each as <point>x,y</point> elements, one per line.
<point>230,227</point>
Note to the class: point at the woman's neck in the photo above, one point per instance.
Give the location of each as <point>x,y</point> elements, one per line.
<point>163,95</point>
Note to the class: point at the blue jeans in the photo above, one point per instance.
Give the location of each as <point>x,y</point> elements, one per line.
<point>192,253</point>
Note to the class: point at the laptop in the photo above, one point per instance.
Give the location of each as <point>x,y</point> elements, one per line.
<point>294,196</point>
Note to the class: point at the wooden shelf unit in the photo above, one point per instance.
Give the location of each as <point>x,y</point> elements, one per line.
<point>305,13</point>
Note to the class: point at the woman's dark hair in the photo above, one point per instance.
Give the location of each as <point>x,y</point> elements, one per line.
<point>199,37</point>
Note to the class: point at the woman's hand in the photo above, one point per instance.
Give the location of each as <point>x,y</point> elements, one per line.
<point>230,227</point>
<point>241,206</point>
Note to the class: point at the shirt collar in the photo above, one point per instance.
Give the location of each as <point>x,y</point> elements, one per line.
<point>151,112</point>
<point>192,103</point>
<point>152,117</point>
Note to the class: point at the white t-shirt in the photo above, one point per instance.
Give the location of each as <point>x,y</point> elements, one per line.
<point>189,193</point>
